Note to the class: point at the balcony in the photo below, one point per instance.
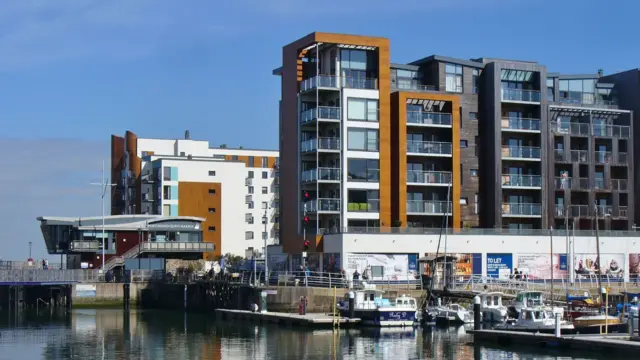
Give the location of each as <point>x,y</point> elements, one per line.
<point>320,82</point>
<point>619,185</point>
<point>413,86</point>
<point>600,184</point>
<point>599,104</point>
<point>320,113</point>
<point>85,245</point>
<point>522,181</point>
<point>147,197</point>
<point>520,125</point>
<point>248,199</point>
<point>603,157</point>
<point>580,211</point>
<point>320,144</point>
<point>622,158</point>
<point>435,178</point>
<point>372,205</point>
<point>429,148</point>
<point>579,156</point>
<point>321,174</point>
<point>620,131</point>
<point>176,246</point>
<point>521,210</point>
<point>603,210</point>
<point>323,205</point>
<point>425,118</point>
<point>520,95</point>
<point>428,207</point>
<point>571,128</point>
<point>359,83</point>
<point>622,212</point>
<point>147,178</point>
<point>248,181</point>
<point>520,152</point>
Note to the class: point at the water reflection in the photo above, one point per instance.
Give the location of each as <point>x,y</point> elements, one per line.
<point>114,334</point>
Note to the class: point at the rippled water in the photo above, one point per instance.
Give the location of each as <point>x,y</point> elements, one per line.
<point>115,334</point>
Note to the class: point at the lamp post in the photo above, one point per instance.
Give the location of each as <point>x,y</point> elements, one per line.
<point>104,186</point>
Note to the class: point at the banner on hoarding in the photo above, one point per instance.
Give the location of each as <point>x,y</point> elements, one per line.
<point>536,266</point>
<point>388,266</point>
<point>588,264</point>
<point>634,264</point>
<point>499,265</point>
<point>465,265</point>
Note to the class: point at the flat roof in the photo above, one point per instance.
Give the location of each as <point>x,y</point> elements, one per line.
<point>463,62</point>
<point>116,222</point>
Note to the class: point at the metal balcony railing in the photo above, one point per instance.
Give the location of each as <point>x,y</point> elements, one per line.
<point>562,183</point>
<point>428,118</point>
<point>603,210</point>
<point>572,128</point>
<point>429,177</point>
<point>85,245</point>
<point>521,181</point>
<point>413,86</point>
<point>621,131</point>
<point>324,205</point>
<point>602,157</point>
<point>323,143</point>
<point>248,181</point>
<point>371,205</point>
<point>520,124</point>
<point>619,184</point>
<point>321,174</point>
<point>580,211</point>
<point>429,147</point>
<point>520,95</point>
<point>319,81</point>
<point>430,207</point>
<point>521,209</point>
<point>580,156</point>
<point>321,112</point>
<point>523,152</point>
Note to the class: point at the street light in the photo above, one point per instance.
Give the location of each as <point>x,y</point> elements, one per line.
<point>104,186</point>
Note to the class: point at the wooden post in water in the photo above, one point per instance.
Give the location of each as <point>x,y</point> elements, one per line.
<point>551,241</point>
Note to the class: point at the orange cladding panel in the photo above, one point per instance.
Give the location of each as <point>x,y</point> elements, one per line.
<point>195,199</point>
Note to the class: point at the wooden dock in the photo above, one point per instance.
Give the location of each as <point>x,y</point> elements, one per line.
<point>611,343</point>
<point>289,319</point>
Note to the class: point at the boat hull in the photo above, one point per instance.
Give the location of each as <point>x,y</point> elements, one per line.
<point>386,318</point>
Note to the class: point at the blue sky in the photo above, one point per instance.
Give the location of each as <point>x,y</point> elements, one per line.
<point>75,71</point>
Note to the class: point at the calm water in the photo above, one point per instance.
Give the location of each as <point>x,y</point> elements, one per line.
<point>114,334</point>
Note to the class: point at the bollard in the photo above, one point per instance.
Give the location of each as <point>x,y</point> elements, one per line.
<point>305,302</point>
<point>557,329</point>
<point>477,324</point>
<point>352,305</point>
<point>630,321</point>
<point>185,297</point>
<point>126,289</point>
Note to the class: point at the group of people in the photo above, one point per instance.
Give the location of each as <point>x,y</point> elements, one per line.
<point>518,275</point>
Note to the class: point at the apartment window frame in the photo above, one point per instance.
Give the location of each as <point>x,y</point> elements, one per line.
<point>248,218</point>
<point>250,189</point>
<point>265,190</point>
<point>212,173</point>
<point>212,191</point>
<point>370,172</point>
<point>464,143</point>
<point>212,228</point>
<point>265,174</point>
<point>453,74</point>
<point>265,162</point>
<point>251,161</point>
<point>248,235</point>
<point>212,210</point>
<point>473,115</point>
<point>370,115</point>
<point>265,205</point>
<point>475,81</point>
<point>369,143</point>
<point>250,174</point>
<point>250,205</point>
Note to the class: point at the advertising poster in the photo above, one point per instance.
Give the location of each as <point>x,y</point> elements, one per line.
<point>499,265</point>
<point>464,263</point>
<point>382,266</point>
<point>537,266</point>
<point>634,264</point>
<point>587,264</point>
<point>331,262</point>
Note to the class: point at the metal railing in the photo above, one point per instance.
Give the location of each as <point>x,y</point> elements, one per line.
<point>621,131</point>
<point>81,245</point>
<point>429,177</point>
<point>428,207</point>
<point>619,184</point>
<point>604,104</point>
<point>321,81</point>
<point>429,118</point>
<point>622,211</point>
<point>520,95</point>
<point>18,265</point>
<point>522,180</point>
<point>413,86</point>
<point>371,205</point>
<point>370,175</point>
<point>521,209</point>
<point>323,143</point>
<point>602,157</point>
<point>321,174</point>
<point>429,147</point>
<point>176,246</point>
<point>572,128</point>
<point>580,156</point>
<point>520,124</point>
<point>320,112</point>
<point>522,152</point>
<point>477,231</point>
<point>580,211</point>
<point>324,205</point>
<point>603,210</point>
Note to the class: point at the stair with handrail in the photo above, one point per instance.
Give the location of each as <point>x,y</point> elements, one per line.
<point>119,260</point>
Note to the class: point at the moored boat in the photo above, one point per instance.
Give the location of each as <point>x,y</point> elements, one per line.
<point>535,319</point>
<point>454,314</point>
<point>374,310</point>
<point>492,308</point>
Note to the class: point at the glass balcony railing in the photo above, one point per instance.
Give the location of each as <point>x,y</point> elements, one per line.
<point>521,181</point>
<point>580,210</point>
<point>321,112</point>
<point>603,104</point>
<point>320,81</point>
<point>579,156</point>
<point>429,177</point>
<point>522,152</point>
<point>619,184</point>
<point>572,128</point>
<point>323,143</point>
<point>324,205</point>
<point>621,131</point>
<point>321,174</point>
<point>521,209</point>
<point>600,184</point>
<point>359,83</point>
<point>520,95</point>
<point>412,86</point>
<point>603,157</point>
<point>430,207</point>
<point>603,210</point>
<point>520,124</point>
<point>428,118</point>
<point>429,147</point>
<point>371,205</point>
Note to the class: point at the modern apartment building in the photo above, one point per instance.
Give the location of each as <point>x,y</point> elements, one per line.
<point>442,141</point>
<point>235,190</point>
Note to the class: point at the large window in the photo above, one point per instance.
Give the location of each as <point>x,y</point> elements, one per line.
<point>580,91</point>
<point>353,64</point>
<point>550,89</point>
<point>453,75</point>
<point>362,139</point>
<point>363,200</point>
<point>404,79</point>
<point>363,170</point>
<point>362,109</point>
<point>475,81</point>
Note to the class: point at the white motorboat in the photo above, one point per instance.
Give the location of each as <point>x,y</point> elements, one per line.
<point>535,319</point>
<point>454,314</point>
<point>530,299</point>
<point>492,308</point>
<point>374,310</point>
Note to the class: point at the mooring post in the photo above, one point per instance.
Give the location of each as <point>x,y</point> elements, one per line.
<point>126,296</point>
<point>185,297</point>
<point>557,329</point>
<point>477,325</point>
<point>352,305</point>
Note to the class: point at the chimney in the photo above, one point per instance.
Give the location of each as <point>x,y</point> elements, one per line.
<point>600,73</point>
<point>187,135</point>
